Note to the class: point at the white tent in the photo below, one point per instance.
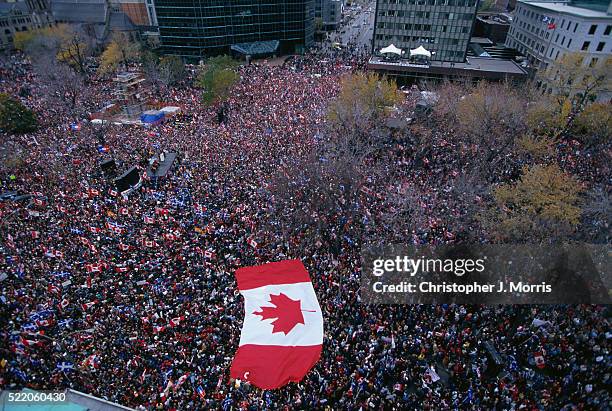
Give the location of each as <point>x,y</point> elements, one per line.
<point>391,49</point>
<point>420,51</point>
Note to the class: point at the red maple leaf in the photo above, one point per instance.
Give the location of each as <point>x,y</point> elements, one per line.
<point>287,313</point>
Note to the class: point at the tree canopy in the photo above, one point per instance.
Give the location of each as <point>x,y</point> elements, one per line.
<point>15,118</point>
<point>119,52</point>
<point>217,77</point>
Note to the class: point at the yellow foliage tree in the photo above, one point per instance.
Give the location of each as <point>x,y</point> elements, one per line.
<point>69,44</point>
<point>576,77</point>
<point>120,51</point>
<point>363,98</point>
<point>594,124</point>
<point>544,204</point>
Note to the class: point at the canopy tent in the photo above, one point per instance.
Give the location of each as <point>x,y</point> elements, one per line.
<point>420,52</point>
<point>256,48</point>
<point>391,49</point>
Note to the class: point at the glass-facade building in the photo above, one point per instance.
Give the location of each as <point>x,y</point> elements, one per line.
<point>443,27</point>
<point>197,28</point>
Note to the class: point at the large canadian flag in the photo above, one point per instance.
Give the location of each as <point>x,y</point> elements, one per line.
<point>282,333</point>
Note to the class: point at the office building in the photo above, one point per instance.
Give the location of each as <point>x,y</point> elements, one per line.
<point>22,16</point>
<point>442,27</point>
<point>328,13</point>
<point>194,29</point>
<point>493,26</point>
<point>545,31</point>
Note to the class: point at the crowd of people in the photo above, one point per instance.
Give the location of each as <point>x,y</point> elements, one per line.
<point>133,298</point>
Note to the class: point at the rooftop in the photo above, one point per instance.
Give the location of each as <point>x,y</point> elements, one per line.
<point>568,9</point>
<point>79,11</point>
<point>482,67</point>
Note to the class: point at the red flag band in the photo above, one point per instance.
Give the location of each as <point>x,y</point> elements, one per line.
<point>282,333</point>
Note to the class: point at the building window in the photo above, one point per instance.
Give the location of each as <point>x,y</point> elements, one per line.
<point>593,29</point>
<point>608,30</point>
<point>585,45</point>
<point>569,43</point>
<point>575,27</point>
<point>601,46</point>
<point>593,62</point>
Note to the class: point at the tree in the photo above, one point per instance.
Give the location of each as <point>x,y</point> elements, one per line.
<point>572,76</point>
<point>171,70</point>
<point>323,196</point>
<point>491,117</point>
<point>15,118</point>
<point>76,47</point>
<point>71,45</point>
<point>548,115</point>
<point>593,126</point>
<point>596,216</point>
<point>544,205</point>
<point>216,78</point>
<point>119,52</point>
<point>363,100</point>
<point>63,84</point>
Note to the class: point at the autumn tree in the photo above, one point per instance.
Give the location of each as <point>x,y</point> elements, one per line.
<point>593,125</point>
<point>216,78</point>
<point>491,117</point>
<point>363,101</point>
<point>63,85</point>
<point>575,76</point>
<point>596,216</point>
<point>543,205</point>
<point>320,197</point>
<point>15,118</point>
<point>69,44</point>
<point>121,51</point>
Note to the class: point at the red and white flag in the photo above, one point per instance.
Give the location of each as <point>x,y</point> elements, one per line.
<point>180,381</point>
<point>538,356</point>
<point>282,333</point>
<point>175,322</point>
<point>161,211</point>
<point>53,289</point>
<point>209,254</point>
<point>93,268</point>
<point>88,305</point>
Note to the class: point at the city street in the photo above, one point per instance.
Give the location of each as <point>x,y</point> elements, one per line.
<point>356,29</point>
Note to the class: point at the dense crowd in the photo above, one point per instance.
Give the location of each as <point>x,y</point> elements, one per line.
<point>133,299</point>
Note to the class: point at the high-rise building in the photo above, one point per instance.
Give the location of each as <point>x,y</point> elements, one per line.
<point>443,27</point>
<point>196,28</point>
<point>328,13</point>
